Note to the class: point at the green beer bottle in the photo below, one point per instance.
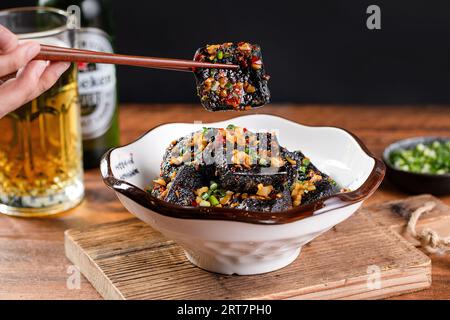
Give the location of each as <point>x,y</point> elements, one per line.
<point>96,82</point>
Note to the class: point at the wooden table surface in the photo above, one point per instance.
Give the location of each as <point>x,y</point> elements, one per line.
<point>32,260</point>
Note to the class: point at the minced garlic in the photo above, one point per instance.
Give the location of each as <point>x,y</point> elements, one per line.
<point>264,191</point>
<point>201,191</point>
<point>160,181</point>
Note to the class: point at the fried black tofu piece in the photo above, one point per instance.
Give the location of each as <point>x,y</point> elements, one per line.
<point>259,161</point>
<point>231,178</point>
<point>283,203</point>
<point>225,89</point>
<point>301,169</point>
<point>324,188</point>
<point>294,168</point>
<point>256,205</point>
<point>175,150</point>
<point>271,205</point>
<point>186,150</point>
<point>181,190</point>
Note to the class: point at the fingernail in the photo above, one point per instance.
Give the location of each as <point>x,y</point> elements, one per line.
<point>62,67</point>
<point>33,49</point>
<point>40,67</point>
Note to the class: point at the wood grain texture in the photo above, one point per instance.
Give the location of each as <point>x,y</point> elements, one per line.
<point>32,260</point>
<point>129,260</point>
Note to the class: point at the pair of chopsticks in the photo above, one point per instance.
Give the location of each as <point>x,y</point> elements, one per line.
<point>54,53</point>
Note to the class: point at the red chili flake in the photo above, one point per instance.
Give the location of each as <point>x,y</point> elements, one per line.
<point>256,63</point>
<point>198,57</point>
<point>194,203</point>
<point>232,101</point>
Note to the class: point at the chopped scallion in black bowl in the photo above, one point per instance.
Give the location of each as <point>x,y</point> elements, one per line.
<point>420,165</point>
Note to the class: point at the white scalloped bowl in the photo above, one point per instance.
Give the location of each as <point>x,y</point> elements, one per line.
<point>240,242</point>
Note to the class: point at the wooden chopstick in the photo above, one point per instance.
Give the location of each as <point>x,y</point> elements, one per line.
<point>53,53</point>
<point>61,49</point>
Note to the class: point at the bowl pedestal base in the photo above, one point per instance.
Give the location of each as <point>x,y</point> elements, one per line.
<point>242,265</point>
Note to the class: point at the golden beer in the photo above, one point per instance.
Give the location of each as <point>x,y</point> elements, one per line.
<point>40,147</point>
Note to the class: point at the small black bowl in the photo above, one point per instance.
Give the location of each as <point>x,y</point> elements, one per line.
<point>416,182</point>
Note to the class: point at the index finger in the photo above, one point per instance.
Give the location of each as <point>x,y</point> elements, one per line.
<point>8,40</point>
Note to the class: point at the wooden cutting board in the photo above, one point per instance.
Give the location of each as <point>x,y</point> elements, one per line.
<point>129,260</point>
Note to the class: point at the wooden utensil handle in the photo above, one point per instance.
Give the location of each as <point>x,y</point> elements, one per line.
<point>77,55</point>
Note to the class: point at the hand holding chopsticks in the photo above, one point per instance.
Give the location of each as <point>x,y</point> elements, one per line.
<point>34,78</point>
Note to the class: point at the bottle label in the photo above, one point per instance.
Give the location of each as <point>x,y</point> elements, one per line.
<point>96,85</point>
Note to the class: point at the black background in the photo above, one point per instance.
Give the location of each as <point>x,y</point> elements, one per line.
<point>315,51</point>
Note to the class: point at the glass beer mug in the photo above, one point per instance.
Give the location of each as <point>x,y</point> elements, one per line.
<point>40,143</point>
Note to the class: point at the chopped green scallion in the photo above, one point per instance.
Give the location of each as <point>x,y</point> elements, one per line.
<point>427,158</point>
<point>213,186</point>
<point>213,200</point>
<point>206,195</point>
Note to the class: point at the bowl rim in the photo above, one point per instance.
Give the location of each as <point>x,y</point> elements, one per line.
<point>413,141</point>
<point>164,208</point>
